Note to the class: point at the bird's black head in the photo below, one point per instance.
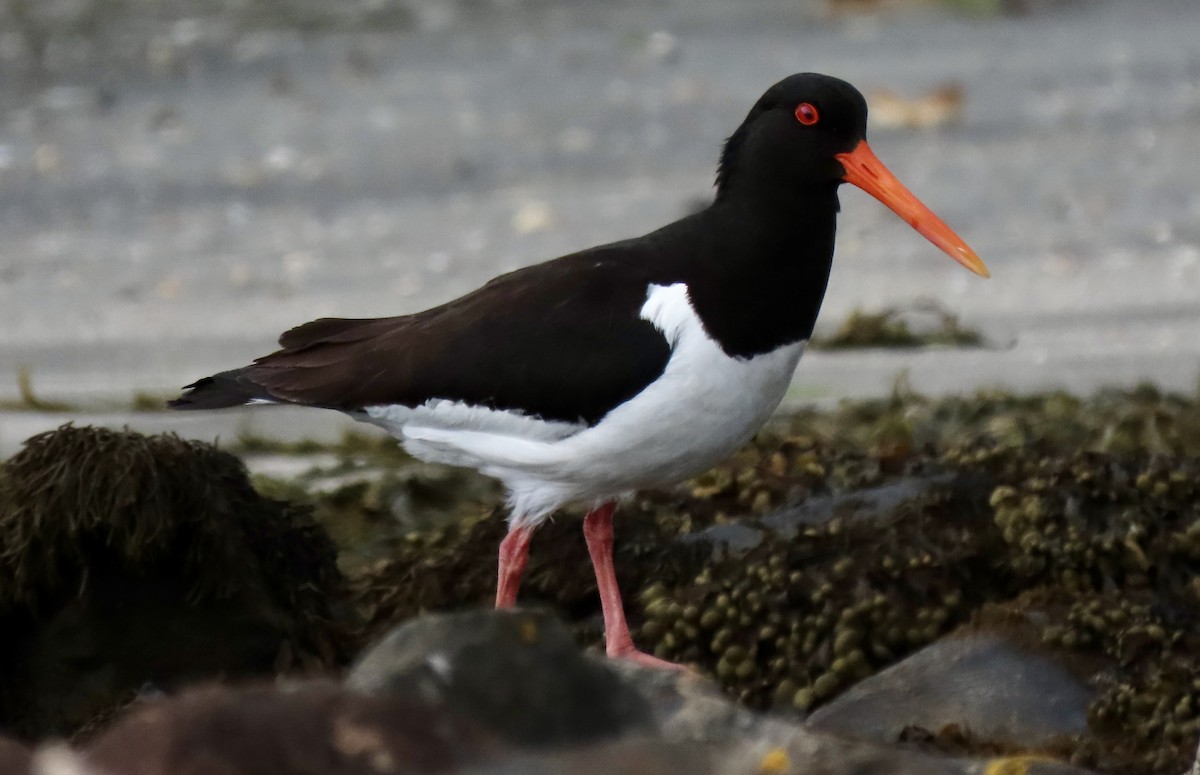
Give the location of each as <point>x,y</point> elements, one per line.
<point>803,138</point>
<point>790,140</point>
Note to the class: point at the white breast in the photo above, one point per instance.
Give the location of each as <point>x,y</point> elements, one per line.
<point>703,407</point>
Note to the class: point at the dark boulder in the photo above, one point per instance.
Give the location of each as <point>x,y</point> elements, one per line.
<point>518,673</point>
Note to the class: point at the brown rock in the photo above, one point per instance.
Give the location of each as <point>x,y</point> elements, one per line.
<point>14,757</point>
<point>313,728</point>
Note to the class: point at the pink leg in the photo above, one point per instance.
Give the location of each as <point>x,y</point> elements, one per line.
<point>597,530</point>
<point>514,551</point>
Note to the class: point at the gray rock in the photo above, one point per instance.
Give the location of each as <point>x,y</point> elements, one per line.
<point>517,673</point>
<point>859,505</point>
<point>628,757</point>
<point>863,504</point>
<point>691,711</point>
<point>987,685</point>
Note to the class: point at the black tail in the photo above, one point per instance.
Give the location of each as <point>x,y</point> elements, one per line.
<point>310,369</point>
<point>220,391</point>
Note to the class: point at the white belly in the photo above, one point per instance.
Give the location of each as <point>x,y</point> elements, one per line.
<point>702,408</point>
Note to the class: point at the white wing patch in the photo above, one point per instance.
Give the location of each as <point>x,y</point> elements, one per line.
<point>669,309</point>
<point>445,431</point>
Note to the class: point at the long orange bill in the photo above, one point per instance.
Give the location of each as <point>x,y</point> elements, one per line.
<point>867,172</point>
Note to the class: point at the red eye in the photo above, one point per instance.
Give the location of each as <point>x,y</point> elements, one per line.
<point>806,113</point>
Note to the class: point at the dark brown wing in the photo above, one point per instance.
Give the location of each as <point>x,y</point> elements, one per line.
<point>561,340</point>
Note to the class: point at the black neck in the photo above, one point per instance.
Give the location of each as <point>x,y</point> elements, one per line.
<point>766,262</point>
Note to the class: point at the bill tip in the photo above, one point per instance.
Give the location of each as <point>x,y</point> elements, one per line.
<point>973,262</point>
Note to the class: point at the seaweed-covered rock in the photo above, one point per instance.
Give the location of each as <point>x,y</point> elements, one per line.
<point>131,561</point>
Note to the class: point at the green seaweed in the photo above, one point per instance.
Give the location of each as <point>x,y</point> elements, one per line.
<point>148,401</point>
<point>351,444</point>
<point>890,328</point>
<point>27,398</point>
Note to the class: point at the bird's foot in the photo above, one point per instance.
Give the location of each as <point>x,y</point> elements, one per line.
<point>632,654</point>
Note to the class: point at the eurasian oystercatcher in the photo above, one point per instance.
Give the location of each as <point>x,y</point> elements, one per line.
<point>621,367</point>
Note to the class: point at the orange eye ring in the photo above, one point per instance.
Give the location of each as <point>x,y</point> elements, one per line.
<point>806,113</point>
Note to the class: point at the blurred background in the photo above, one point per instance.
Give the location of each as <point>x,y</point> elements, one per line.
<point>182,180</point>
